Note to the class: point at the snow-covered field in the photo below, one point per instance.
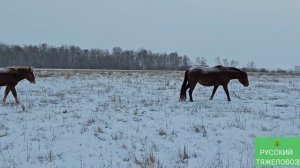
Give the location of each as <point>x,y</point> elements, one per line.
<point>134,119</point>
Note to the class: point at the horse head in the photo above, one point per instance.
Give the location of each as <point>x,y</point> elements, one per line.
<point>30,76</point>
<point>182,97</point>
<point>243,78</point>
<point>26,72</point>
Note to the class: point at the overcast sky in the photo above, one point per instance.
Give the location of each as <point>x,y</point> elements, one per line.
<point>264,31</point>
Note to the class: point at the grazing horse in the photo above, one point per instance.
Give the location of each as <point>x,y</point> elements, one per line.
<point>214,76</point>
<point>11,76</point>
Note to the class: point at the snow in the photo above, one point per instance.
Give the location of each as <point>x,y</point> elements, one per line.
<point>135,119</point>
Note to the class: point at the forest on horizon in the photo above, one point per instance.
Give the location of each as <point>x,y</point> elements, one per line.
<point>73,57</point>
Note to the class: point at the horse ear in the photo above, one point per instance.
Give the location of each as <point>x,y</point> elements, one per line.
<point>29,69</point>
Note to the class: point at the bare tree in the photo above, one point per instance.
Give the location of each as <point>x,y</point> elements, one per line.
<point>201,61</point>
<point>218,61</point>
<point>225,62</point>
<point>297,68</point>
<point>251,66</point>
<point>233,63</point>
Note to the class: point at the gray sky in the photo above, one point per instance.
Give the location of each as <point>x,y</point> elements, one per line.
<point>264,31</point>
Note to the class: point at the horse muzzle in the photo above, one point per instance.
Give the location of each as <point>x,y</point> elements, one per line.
<point>182,99</point>
<point>33,81</point>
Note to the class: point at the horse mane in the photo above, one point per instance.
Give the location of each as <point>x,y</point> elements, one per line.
<point>236,69</point>
<point>219,66</point>
<point>231,68</point>
<point>16,69</point>
<point>11,69</point>
<point>240,71</point>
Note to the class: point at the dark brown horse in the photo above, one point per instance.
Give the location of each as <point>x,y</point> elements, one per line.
<point>11,76</point>
<point>214,76</point>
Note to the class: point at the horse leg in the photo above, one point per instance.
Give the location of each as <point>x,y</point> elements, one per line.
<point>225,87</point>
<point>6,92</point>
<point>214,91</point>
<point>192,87</point>
<point>186,88</point>
<point>14,92</point>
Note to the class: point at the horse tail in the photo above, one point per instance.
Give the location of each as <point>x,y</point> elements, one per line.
<point>185,78</point>
<point>184,86</point>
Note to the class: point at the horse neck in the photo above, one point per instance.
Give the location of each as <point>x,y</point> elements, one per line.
<point>20,77</point>
<point>233,73</point>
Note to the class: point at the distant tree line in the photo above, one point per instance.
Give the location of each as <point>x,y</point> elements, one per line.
<point>73,57</point>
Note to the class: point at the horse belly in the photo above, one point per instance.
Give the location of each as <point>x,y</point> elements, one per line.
<point>5,79</point>
<point>209,79</point>
<point>207,82</point>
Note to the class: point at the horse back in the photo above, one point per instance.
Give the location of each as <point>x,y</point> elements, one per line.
<point>7,77</point>
<point>208,76</point>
